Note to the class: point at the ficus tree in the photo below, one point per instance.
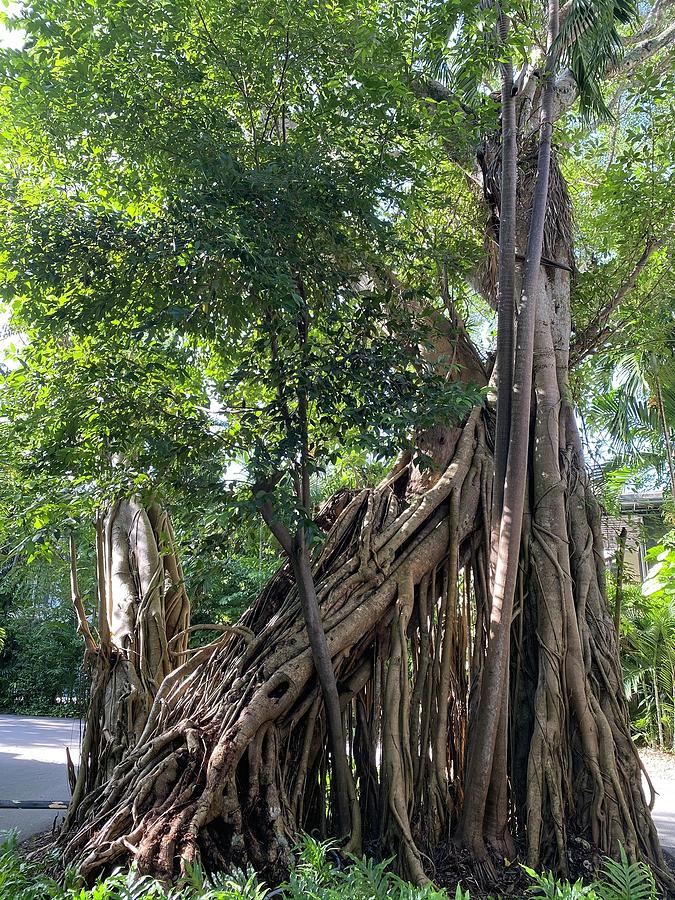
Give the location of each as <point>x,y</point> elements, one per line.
<point>270,186</point>
<point>303,267</point>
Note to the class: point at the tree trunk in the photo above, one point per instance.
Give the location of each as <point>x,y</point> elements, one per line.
<point>486,756</point>
<point>507,264</point>
<point>496,812</point>
<point>659,709</point>
<point>143,617</point>
<point>346,814</point>
<point>583,772</point>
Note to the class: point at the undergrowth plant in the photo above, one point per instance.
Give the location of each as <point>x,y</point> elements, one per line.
<point>321,873</point>
<point>624,880</point>
<point>619,880</point>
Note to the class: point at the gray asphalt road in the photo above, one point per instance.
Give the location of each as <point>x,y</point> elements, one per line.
<point>661,768</point>
<point>33,767</point>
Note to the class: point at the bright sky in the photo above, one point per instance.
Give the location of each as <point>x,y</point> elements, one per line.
<point>10,38</point>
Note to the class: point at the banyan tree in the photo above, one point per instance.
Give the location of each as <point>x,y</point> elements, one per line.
<point>461,602</point>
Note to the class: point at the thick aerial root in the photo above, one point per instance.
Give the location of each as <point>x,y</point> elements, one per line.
<point>573,771</point>
<point>583,769</point>
<point>231,764</point>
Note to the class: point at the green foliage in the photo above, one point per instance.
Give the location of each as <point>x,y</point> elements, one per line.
<point>199,267</point>
<point>622,880</point>
<point>20,880</point>
<point>206,294</point>
<point>619,880</point>
<point>319,874</point>
<point>626,414</point>
<point>40,661</point>
<point>660,581</point>
<point>647,644</point>
<point>589,40</point>
<point>315,876</point>
<point>648,648</point>
<point>548,886</point>
<point>217,174</point>
<point>622,180</point>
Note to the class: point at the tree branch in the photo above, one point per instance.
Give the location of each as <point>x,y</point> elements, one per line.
<point>645,49</point>
<point>586,340</point>
<point>648,45</point>
<point>431,89</point>
<point>278,529</point>
<point>653,20</point>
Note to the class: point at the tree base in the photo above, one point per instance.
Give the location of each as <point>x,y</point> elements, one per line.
<point>233,762</point>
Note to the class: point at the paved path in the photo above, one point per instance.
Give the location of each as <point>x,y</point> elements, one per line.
<point>33,767</point>
<point>661,768</point>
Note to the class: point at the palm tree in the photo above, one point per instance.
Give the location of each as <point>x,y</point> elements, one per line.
<point>636,413</point>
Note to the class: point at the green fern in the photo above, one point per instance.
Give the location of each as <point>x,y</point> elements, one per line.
<point>548,887</point>
<point>624,880</point>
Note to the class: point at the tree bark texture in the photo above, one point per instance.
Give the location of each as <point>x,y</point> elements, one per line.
<point>231,764</point>
<point>143,617</point>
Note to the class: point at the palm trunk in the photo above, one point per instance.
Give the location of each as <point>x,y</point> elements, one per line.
<point>507,263</point>
<point>496,825</point>
<point>659,711</point>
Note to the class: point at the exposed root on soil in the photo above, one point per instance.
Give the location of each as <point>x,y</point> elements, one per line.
<point>232,761</point>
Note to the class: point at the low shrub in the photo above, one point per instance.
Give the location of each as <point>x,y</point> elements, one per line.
<point>318,875</point>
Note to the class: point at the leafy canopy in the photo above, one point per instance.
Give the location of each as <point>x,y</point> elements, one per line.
<point>207,210</point>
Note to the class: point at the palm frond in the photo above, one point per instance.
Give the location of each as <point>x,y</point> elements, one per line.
<point>588,42</point>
